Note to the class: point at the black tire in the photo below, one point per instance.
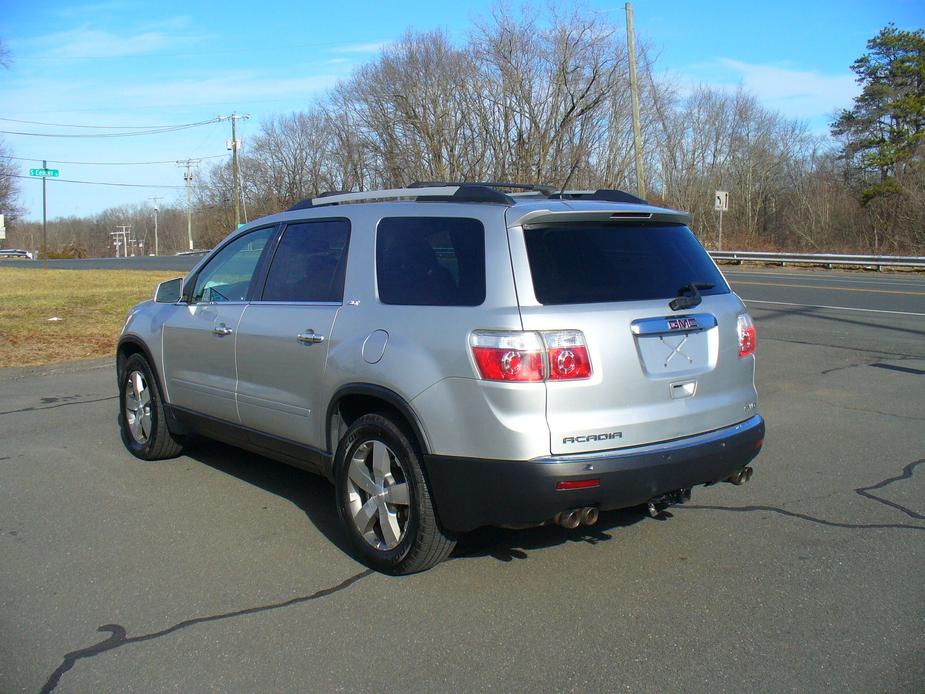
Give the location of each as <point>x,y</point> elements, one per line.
<point>423,542</point>
<point>158,442</point>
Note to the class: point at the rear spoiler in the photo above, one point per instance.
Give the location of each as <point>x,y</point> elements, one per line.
<point>648,214</point>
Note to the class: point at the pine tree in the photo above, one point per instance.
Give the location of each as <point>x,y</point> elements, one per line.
<point>884,132</point>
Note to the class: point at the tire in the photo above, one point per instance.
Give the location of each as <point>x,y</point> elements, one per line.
<point>141,413</point>
<point>383,500</point>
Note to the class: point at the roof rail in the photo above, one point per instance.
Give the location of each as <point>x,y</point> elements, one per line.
<point>438,192</point>
<point>603,194</point>
<point>444,191</point>
<point>538,187</point>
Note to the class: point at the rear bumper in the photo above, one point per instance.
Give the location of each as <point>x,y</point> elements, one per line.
<point>469,493</point>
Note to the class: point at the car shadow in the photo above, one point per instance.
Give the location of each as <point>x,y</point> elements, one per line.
<point>314,495</point>
<point>311,493</point>
<point>508,545</point>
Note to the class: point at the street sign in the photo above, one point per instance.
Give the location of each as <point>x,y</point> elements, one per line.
<point>721,201</point>
<point>53,173</point>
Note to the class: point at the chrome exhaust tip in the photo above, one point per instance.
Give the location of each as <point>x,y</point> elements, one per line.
<point>569,519</point>
<point>589,515</point>
<point>737,478</point>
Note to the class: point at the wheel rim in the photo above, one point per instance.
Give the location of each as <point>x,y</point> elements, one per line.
<point>378,495</point>
<point>138,406</point>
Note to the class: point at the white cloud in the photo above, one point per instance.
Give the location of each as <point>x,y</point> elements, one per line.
<point>84,42</point>
<point>372,47</point>
<point>804,94</point>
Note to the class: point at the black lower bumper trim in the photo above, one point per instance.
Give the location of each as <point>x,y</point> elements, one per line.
<point>470,492</point>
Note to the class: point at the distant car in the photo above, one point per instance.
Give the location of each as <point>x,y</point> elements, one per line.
<point>454,357</point>
<point>14,253</point>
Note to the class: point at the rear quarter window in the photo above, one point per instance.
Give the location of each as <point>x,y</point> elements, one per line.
<point>583,264</point>
<point>430,261</point>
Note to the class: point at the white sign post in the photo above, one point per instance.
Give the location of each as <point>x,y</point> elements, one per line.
<point>2,229</point>
<point>721,204</point>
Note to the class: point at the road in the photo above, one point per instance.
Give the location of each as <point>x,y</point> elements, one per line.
<point>180,263</point>
<point>221,570</point>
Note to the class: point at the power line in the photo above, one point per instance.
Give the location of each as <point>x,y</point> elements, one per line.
<point>151,131</point>
<point>99,183</point>
<point>111,163</point>
<point>96,127</point>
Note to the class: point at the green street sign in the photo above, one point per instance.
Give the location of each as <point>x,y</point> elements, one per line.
<point>53,173</point>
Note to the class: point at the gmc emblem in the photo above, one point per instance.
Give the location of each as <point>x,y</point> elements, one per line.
<point>682,324</point>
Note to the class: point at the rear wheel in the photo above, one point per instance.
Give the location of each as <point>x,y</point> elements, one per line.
<point>383,500</point>
<point>141,413</point>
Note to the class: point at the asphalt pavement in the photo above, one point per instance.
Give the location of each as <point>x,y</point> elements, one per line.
<point>221,570</point>
<point>180,263</point>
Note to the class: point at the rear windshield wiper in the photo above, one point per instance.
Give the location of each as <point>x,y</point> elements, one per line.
<point>689,296</point>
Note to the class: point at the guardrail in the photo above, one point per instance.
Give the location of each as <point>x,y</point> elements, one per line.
<point>826,259</point>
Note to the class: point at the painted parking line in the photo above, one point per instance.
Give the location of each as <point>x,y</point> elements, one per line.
<point>898,282</point>
<point>834,308</point>
<point>830,289</point>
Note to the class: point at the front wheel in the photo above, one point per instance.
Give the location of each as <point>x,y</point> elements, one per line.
<point>141,418</point>
<point>383,500</point>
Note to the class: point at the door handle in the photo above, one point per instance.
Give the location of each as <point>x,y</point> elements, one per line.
<point>221,330</point>
<point>309,337</point>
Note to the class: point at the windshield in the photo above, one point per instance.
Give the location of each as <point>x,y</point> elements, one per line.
<point>584,264</point>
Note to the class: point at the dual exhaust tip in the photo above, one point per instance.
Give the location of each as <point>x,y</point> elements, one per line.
<point>740,476</point>
<point>577,516</point>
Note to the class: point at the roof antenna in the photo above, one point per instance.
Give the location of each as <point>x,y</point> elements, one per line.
<point>569,177</point>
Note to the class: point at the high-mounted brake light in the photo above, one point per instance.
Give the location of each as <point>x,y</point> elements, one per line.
<point>530,356</point>
<point>746,330</point>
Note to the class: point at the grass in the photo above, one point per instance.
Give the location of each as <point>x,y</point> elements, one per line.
<point>91,303</point>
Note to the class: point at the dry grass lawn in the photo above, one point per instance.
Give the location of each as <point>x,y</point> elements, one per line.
<point>91,303</point>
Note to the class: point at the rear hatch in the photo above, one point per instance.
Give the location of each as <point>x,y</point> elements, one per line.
<point>658,373</point>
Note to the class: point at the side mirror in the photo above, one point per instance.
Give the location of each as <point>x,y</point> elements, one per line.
<point>168,292</point>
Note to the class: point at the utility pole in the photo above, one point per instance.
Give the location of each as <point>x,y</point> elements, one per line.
<point>234,144</point>
<point>156,247</point>
<point>44,218</point>
<point>188,179</point>
<point>124,233</point>
<point>634,91</point>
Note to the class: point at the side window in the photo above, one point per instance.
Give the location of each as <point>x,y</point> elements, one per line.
<point>430,261</point>
<point>228,275</point>
<point>309,263</point>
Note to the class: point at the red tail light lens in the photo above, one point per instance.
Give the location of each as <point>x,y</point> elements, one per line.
<point>746,330</point>
<point>568,355</point>
<point>508,356</point>
<point>529,356</point>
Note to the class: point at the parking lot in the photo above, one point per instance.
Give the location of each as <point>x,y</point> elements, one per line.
<point>221,570</point>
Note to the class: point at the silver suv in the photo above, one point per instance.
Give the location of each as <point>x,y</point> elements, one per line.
<point>452,356</point>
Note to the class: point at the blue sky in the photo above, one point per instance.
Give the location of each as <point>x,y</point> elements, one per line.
<point>128,63</point>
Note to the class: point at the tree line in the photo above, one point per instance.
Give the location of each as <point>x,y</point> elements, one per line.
<point>544,98</point>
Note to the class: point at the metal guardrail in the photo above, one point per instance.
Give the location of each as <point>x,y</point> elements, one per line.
<point>827,259</point>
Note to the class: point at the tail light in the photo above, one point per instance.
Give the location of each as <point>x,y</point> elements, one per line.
<point>530,356</point>
<point>746,330</point>
<point>508,356</point>
<point>568,355</point>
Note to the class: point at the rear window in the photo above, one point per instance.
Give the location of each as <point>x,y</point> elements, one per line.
<point>595,264</point>
<point>430,261</point>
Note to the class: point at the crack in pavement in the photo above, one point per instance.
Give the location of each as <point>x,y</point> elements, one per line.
<point>868,410</point>
<point>118,637</point>
<point>861,491</point>
<point>60,404</point>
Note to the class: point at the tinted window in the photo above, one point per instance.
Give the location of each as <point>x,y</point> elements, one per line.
<point>431,261</point>
<point>309,263</point>
<point>228,275</point>
<point>594,264</point>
